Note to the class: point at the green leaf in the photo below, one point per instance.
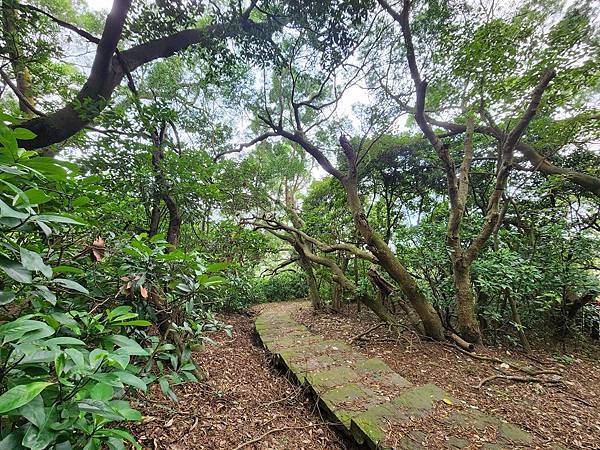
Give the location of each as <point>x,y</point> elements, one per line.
<point>64,340</point>
<point>92,444</point>
<point>96,356</point>
<point>99,408</point>
<point>21,395</point>
<point>59,363</point>
<point>134,323</point>
<point>12,441</point>
<point>81,201</point>
<point>46,294</point>
<point>24,134</point>
<point>102,391</point>
<point>166,388</point>
<point>76,356</point>
<point>127,344</point>
<point>7,211</point>
<point>217,267</point>
<point>70,284</point>
<point>68,269</point>
<point>57,218</point>
<point>132,380</point>
<point>41,436</point>
<point>6,297</point>
<point>24,328</point>
<point>118,433</point>
<point>33,261</point>
<point>35,197</point>
<point>15,270</point>
<point>118,311</point>
<point>126,411</point>
<point>34,411</point>
<point>124,317</point>
<point>11,170</point>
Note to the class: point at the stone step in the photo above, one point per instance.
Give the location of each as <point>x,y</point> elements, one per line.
<point>374,405</point>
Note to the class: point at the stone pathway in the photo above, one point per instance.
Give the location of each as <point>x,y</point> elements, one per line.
<point>374,405</point>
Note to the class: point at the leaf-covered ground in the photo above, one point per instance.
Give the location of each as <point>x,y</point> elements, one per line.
<point>245,399</point>
<point>565,412</point>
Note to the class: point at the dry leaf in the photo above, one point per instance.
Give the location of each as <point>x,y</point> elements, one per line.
<point>98,248</point>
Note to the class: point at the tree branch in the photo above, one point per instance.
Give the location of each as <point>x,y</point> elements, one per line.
<point>109,69</point>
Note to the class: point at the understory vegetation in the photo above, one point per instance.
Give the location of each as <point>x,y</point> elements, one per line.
<point>435,162</point>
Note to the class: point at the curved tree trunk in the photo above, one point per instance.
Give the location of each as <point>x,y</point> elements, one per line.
<point>311,281</point>
<point>390,263</point>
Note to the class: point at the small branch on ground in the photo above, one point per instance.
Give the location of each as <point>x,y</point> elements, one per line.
<point>521,379</point>
<point>275,430</point>
<point>364,333</point>
<point>468,346</point>
<point>292,397</point>
<point>529,371</point>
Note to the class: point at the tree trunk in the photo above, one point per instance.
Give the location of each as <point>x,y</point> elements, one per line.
<point>164,320</point>
<point>427,313</point>
<point>13,49</point>
<point>468,324</point>
<point>518,325</point>
<point>154,216</point>
<point>313,289</point>
<point>336,301</point>
<point>174,229</point>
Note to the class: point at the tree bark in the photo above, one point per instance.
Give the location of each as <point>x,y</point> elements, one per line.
<point>174,228</point>
<point>382,252</point>
<point>518,325</point>
<point>390,263</point>
<point>313,290</point>
<point>336,298</point>
<point>466,305</point>
<point>340,278</point>
<point>109,68</point>
<point>458,186</point>
<point>305,264</point>
<point>15,54</point>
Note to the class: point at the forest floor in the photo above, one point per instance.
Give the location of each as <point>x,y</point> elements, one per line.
<point>564,412</point>
<point>245,403</point>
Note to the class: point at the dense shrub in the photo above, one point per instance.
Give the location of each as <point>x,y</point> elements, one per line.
<point>281,287</point>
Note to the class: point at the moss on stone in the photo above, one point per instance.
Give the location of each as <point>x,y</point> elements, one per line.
<point>348,386</point>
<point>327,379</point>
<point>513,434</point>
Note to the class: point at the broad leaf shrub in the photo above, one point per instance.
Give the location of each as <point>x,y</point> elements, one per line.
<point>70,349</point>
<point>282,287</point>
<point>64,368</point>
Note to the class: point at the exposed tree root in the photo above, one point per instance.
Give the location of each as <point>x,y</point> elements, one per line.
<point>528,370</point>
<point>518,378</point>
<point>364,333</point>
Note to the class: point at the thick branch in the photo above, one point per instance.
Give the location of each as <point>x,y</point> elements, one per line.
<point>108,70</point>
<point>244,145</point>
<point>505,167</point>
<point>299,138</point>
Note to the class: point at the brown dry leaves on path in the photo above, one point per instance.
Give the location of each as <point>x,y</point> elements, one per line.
<point>245,399</point>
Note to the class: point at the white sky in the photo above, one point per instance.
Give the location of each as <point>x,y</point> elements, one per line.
<point>100,4</point>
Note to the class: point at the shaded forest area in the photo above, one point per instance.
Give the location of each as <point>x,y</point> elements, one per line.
<point>426,173</point>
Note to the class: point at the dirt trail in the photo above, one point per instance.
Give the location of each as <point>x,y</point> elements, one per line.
<point>244,398</point>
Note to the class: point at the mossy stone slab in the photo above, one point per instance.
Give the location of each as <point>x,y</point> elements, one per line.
<point>364,395</point>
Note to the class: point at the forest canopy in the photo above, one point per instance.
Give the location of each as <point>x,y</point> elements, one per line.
<point>436,162</point>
